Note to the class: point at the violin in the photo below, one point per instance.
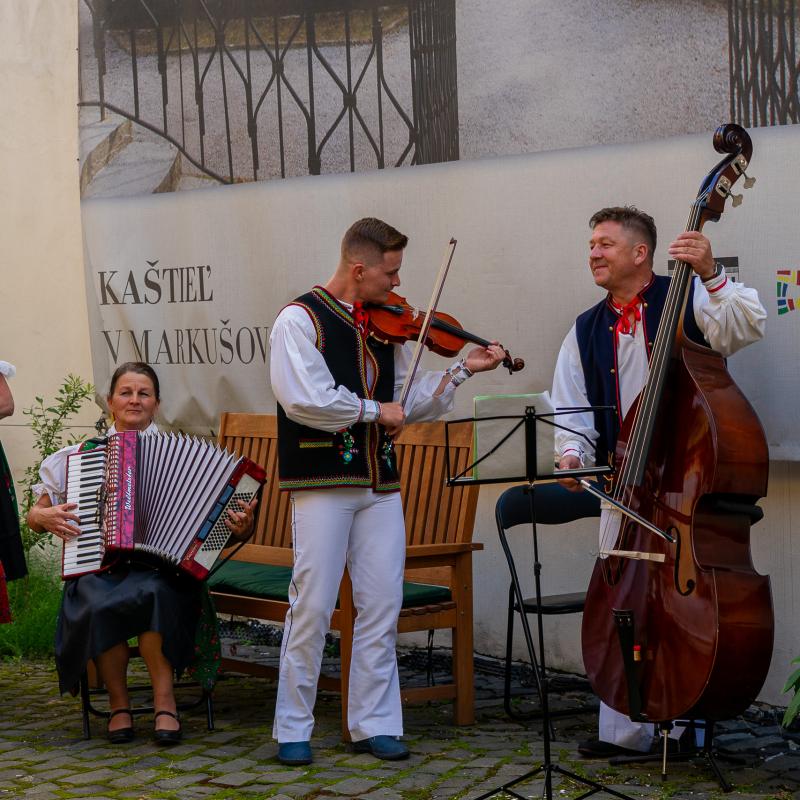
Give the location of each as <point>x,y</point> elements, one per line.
<point>396,321</point>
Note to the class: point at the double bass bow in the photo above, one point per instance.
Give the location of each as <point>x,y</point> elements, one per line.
<point>684,629</point>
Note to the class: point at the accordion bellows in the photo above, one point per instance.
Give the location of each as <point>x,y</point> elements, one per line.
<point>162,497</point>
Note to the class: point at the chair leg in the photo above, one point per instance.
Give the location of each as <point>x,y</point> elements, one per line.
<point>463,658</point>
<point>209,698</point>
<point>509,646</point>
<point>85,705</point>
<point>347,616</point>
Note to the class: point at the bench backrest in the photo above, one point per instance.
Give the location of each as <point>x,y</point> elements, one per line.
<point>434,513</point>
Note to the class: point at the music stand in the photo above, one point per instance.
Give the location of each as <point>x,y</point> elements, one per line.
<point>531,475</point>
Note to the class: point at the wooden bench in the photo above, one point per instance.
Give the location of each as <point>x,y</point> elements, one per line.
<point>439,523</point>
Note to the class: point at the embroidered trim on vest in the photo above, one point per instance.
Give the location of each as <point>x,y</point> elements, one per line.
<point>335,306</point>
<point>320,343</point>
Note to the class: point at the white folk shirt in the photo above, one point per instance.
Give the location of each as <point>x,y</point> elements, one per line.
<point>729,315</point>
<point>304,386</point>
<point>53,470</point>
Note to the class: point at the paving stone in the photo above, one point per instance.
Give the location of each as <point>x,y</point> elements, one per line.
<point>294,790</point>
<point>185,748</point>
<point>194,763</point>
<point>139,778</point>
<point>234,779</point>
<point>266,750</point>
<point>352,786</point>
<point>54,774</point>
<point>223,737</point>
<point>236,765</point>
<point>179,781</point>
<point>86,778</point>
<point>229,750</point>
<point>382,794</point>
<point>85,791</point>
<point>281,775</point>
<point>360,760</point>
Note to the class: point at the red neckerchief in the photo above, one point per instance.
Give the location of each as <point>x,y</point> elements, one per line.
<point>360,317</point>
<point>623,324</point>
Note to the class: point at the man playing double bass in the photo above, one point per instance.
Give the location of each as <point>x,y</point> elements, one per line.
<point>604,361</point>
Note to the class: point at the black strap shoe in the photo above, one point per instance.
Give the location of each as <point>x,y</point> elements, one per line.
<point>121,735</point>
<point>167,737</point>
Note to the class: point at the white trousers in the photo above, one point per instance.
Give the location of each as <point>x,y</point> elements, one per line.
<point>363,530</point>
<point>623,731</point>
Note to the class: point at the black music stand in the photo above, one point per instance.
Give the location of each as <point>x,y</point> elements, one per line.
<point>529,420</point>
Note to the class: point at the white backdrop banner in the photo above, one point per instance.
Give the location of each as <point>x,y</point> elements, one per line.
<point>191,281</point>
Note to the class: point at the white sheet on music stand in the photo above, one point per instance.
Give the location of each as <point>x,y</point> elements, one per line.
<point>509,460</point>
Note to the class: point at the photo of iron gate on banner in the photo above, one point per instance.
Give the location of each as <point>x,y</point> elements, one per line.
<point>255,89</point>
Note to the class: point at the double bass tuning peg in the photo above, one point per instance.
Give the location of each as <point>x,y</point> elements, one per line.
<point>724,190</point>
<point>740,165</point>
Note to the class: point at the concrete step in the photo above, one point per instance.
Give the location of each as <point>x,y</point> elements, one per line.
<point>100,141</point>
<point>146,165</point>
<point>191,179</point>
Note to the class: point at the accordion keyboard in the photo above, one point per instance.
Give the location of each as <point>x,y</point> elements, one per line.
<point>85,479</point>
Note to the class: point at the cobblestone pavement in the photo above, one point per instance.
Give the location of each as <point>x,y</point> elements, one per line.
<point>43,754</point>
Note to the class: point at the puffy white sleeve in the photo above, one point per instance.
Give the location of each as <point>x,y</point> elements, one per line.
<point>729,314</point>
<point>7,370</point>
<point>569,391</point>
<point>421,405</point>
<point>53,475</point>
<point>302,382</point>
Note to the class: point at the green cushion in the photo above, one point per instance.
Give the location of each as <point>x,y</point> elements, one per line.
<point>272,583</point>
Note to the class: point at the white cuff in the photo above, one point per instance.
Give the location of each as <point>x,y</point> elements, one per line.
<point>370,410</point>
<point>7,370</point>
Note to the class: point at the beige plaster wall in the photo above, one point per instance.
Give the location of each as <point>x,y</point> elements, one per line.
<point>43,327</point>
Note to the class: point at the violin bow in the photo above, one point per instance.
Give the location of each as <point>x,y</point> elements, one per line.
<point>426,322</point>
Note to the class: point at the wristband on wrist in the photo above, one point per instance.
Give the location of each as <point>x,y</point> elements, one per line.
<point>458,372</point>
<point>718,268</point>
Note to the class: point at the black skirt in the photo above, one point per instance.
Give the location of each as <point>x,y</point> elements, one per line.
<point>102,610</point>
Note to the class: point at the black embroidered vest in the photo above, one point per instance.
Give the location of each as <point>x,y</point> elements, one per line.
<point>596,343</point>
<point>361,455</point>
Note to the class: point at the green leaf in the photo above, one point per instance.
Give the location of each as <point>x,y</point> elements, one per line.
<point>793,680</point>
<point>792,710</point>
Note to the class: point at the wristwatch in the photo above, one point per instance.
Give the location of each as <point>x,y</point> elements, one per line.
<point>718,267</point>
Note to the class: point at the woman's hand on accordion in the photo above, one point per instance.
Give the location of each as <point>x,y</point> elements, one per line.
<point>240,523</point>
<point>55,519</point>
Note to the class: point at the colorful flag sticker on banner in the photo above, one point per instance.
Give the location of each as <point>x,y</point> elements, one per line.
<point>787,278</point>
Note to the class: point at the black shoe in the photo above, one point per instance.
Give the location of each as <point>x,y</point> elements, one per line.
<point>166,737</point>
<point>596,748</point>
<point>121,735</point>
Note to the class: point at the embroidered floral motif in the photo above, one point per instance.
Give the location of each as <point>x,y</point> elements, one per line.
<point>346,448</point>
<point>387,452</point>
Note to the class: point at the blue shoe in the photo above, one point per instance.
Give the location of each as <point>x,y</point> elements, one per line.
<point>294,754</point>
<point>386,747</point>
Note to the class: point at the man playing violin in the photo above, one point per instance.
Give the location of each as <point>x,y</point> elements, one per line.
<point>336,388</point>
<point>604,362</point>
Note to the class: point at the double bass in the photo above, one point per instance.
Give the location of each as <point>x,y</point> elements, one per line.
<point>684,629</point>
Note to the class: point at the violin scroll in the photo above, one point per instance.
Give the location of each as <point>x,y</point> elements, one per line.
<point>513,364</point>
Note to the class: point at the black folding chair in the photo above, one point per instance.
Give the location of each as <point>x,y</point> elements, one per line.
<point>554,505</point>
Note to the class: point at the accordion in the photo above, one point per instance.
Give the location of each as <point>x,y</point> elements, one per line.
<point>160,498</point>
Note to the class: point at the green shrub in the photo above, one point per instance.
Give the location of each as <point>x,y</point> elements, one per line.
<point>48,424</point>
<point>35,601</point>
